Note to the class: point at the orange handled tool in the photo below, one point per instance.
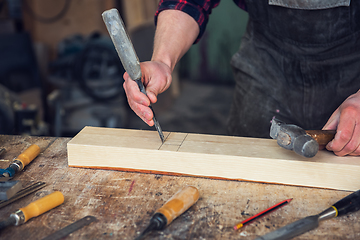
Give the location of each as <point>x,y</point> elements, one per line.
<point>21,161</point>
<point>174,207</point>
<point>34,209</point>
<point>27,156</point>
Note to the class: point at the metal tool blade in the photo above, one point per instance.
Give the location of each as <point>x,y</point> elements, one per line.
<point>71,228</point>
<point>8,189</point>
<point>293,229</point>
<point>22,193</point>
<point>2,150</point>
<point>126,52</point>
<point>8,222</point>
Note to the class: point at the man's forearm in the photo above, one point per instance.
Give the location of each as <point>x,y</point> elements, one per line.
<point>176,31</point>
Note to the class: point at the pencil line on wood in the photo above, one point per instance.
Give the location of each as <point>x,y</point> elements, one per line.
<point>182,142</point>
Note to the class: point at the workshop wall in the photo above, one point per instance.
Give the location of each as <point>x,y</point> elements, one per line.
<point>208,61</point>
<point>70,107</point>
<point>81,17</point>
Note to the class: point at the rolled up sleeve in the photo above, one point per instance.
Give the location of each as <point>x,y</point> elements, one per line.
<point>197,9</point>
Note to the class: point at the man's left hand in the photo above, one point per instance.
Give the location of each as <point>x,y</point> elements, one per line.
<point>346,120</point>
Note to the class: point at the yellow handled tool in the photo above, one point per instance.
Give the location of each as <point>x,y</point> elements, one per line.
<point>34,209</point>
<point>27,156</point>
<point>174,207</point>
<point>21,161</point>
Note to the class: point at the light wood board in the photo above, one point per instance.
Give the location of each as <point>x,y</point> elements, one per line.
<point>213,156</point>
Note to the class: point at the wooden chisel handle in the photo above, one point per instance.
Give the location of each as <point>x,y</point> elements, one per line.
<point>179,203</point>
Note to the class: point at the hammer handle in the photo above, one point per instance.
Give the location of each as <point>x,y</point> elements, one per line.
<point>323,137</point>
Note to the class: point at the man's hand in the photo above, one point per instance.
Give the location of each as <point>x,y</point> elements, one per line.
<point>346,120</point>
<point>175,32</point>
<point>156,77</point>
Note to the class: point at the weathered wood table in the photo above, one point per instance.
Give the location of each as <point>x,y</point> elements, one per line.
<point>123,202</point>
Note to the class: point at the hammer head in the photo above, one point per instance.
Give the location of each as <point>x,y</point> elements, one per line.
<point>293,137</point>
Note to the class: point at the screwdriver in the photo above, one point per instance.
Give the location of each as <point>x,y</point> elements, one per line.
<point>126,52</point>
<point>20,161</point>
<point>34,209</point>
<point>348,204</point>
<point>174,207</point>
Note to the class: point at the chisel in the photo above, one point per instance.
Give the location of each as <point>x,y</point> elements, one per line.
<point>348,204</point>
<point>34,209</point>
<point>20,161</point>
<point>126,52</point>
<point>174,207</point>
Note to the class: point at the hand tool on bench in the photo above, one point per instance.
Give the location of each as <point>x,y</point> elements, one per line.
<point>9,188</point>
<point>174,207</point>
<point>348,204</point>
<point>60,234</point>
<point>304,142</point>
<point>2,150</point>
<point>20,162</point>
<point>126,52</point>
<point>34,209</point>
<point>23,193</point>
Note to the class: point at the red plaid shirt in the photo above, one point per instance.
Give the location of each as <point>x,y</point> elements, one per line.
<point>198,9</point>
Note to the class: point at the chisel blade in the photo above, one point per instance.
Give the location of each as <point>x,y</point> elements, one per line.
<point>8,189</point>
<point>293,229</point>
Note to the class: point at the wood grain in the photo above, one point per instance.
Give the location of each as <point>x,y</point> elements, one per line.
<point>212,156</point>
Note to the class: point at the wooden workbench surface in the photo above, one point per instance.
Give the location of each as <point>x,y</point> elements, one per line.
<point>123,202</point>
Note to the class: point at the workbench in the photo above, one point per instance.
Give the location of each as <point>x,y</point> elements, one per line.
<point>123,202</point>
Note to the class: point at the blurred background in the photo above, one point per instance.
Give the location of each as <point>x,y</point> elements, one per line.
<point>59,70</point>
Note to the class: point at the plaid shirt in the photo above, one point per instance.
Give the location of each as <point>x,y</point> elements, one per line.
<point>198,9</point>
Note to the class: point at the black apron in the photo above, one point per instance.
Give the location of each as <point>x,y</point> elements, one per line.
<point>298,61</point>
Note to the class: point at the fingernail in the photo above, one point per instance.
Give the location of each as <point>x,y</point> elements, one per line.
<point>329,145</point>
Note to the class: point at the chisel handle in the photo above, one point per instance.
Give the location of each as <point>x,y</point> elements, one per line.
<point>179,203</point>
<point>40,206</point>
<point>27,156</point>
<point>348,204</point>
<point>122,43</point>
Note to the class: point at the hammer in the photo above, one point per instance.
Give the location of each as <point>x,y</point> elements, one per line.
<point>305,143</point>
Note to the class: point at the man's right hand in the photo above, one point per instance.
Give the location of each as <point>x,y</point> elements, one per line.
<point>156,77</point>
<point>176,31</point>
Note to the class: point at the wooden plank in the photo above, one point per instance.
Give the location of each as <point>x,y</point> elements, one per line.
<point>212,156</point>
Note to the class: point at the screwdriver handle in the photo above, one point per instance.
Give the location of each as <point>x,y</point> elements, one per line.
<point>179,203</point>
<point>42,205</point>
<point>348,204</point>
<point>27,156</point>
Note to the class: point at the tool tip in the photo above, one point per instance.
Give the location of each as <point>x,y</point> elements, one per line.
<point>238,226</point>
<point>158,128</point>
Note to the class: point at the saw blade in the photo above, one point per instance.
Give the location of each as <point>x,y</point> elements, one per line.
<point>71,228</point>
